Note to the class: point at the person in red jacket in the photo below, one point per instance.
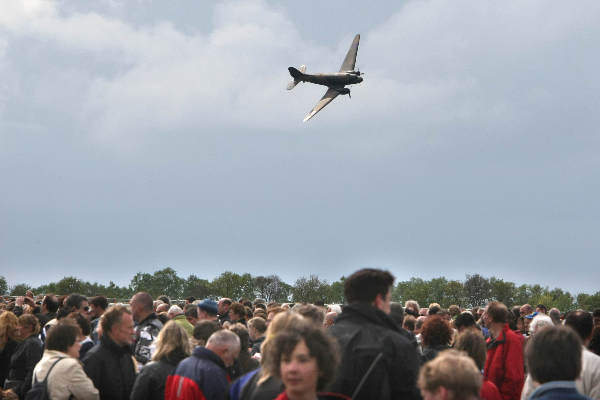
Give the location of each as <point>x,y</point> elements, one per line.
<point>504,362</point>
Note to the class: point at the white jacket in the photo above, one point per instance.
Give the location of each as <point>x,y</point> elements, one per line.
<point>66,379</point>
<point>588,382</point>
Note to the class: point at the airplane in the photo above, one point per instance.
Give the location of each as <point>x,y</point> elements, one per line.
<point>336,82</point>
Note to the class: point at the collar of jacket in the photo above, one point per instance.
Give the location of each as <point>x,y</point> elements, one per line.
<point>370,313</point>
<point>205,354</point>
<point>107,342</point>
<point>499,340</point>
<point>149,319</point>
<point>562,385</point>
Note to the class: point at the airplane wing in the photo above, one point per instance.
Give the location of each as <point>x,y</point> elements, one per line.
<point>350,60</point>
<point>326,99</point>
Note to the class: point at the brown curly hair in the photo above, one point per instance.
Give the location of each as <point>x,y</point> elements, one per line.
<point>436,331</point>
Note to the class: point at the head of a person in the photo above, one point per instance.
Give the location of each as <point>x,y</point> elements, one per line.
<point>172,342</point>
<point>311,312</point>
<point>419,324</point>
<point>496,313</point>
<point>207,309</point>
<point>141,305</point>
<point>191,313</point>
<point>190,299</point>
<point>370,286</point>
<point>117,323</point>
<point>526,309</point>
<point>50,303</point>
<point>409,323</point>
<point>9,327</point>
<point>237,312</point>
<point>412,307</point>
<point>464,321</point>
<point>98,306</point>
<point>223,305</point>
<point>540,322</point>
<point>554,354</point>
<point>540,308</point>
<point>454,311</point>
<point>203,330</point>
<point>304,359</point>
<point>473,343</point>
<point>581,322</point>
<point>84,324</point>
<point>452,375</point>
<point>74,303</point>
<point>433,309</point>
<point>397,313</point>
<point>436,332</point>
<point>163,308</point>
<point>165,299</point>
<point>28,325</point>
<point>174,311</point>
<point>596,316</point>
<point>273,312</point>
<point>225,344</point>
<point>554,313</point>
<point>65,337</point>
<point>242,332</point>
<point>257,327</point>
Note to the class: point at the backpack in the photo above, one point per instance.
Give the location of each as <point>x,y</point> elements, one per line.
<point>39,390</point>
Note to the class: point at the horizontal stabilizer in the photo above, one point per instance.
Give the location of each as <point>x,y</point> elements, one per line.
<point>292,84</point>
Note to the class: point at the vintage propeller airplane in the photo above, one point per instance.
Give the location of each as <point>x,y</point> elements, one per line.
<point>336,82</point>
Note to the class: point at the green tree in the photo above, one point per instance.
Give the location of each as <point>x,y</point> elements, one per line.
<point>199,288</point>
<point>271,288</point>
<point>415,289</point>
<point>164,281</point>
<point>588,302</point>
<point>336,292</point>
<point>454,294</point>
<point>19,289</point>
<point>502,291</point>
<point>3,286</point>
<point>310,290</point>
<point>477,290</point>
<point>437,292</point>
<point>70,284</point>
<point>229,284</point>
<point>522,295</point>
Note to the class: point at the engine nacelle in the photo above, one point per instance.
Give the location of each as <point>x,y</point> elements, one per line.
<point>344,91</point>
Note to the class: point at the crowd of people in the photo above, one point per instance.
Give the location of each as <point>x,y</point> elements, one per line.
<point>73,347</point>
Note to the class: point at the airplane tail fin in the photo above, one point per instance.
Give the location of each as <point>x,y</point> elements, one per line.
<point>297,75</point>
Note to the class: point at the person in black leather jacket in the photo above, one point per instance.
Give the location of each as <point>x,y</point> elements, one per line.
<point>372,345</point>
<point>26,356</point>
<point>172,346</point>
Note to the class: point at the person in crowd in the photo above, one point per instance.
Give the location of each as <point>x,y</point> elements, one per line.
<point>190,300</point>
<point>541,309</point>
<point>27,354</point>
<point>203,330</point>
<point>554,314</point>
<point>391,360</point>
<point>98,306</point>
<point>454,311</point>
<point>330,318</point>
<point>237,313</point>
<point>553,359</point>
<point>60,364</point>
<point>526,309</point>
<point>48,309</point>
<point>311,312</point>
<point>9,341</point>
<point>203,375</point>
<point>272,313</point>
<point>176,314</point>
<point>147,326</point>
<point>504,361</point>
<point>450,376</point>
<point>513,320</point>
<point>409,323</point>
<point>172,346</point>
<point>85,342</point>
<point>539,322</point>
<point>594,345</point>
<point>191,313</point>
<point>207,310</point>
<point>305,361</point>
<point>71,303</point>
<point>588,383</point>
<point>165,299</point>
<point>257,328</point>
<point>411,307</point>
<point>435,337</point>
<point>163,308</point>
<point>223,309</point>
<point>472,342</point>
<point>433,309</point>
<point>244,363</point>
<point>397,314</point>
<point>465,321</point>
<point>110,364</point>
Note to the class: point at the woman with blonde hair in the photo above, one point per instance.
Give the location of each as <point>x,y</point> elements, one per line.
<point>172,346</point>
<point>8,342</point>
<point>25,357</point>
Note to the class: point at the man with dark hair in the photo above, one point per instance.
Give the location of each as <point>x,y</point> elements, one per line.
<point>465,321</point>
<point>147,326</point>
<point>109,364</point>
<point>257,327</point>
<point>553,358</point>
<point>223,308</point>
<point>504,363</point>
<point>98,306</point>
<point>373,348</point>
<point>191,313</point>
<point>48,310</point>
<point>203,330</point>
<point>588,383</point>
<point>207,310</point>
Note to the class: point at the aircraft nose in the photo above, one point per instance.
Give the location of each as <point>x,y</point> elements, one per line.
<point>360,79</point>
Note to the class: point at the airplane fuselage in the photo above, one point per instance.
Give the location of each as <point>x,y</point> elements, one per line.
<point>337,79</point>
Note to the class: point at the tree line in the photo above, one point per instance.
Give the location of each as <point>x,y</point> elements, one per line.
<point>475,290</point>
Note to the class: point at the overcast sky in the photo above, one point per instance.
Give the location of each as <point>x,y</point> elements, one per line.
<point>136,135</point>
